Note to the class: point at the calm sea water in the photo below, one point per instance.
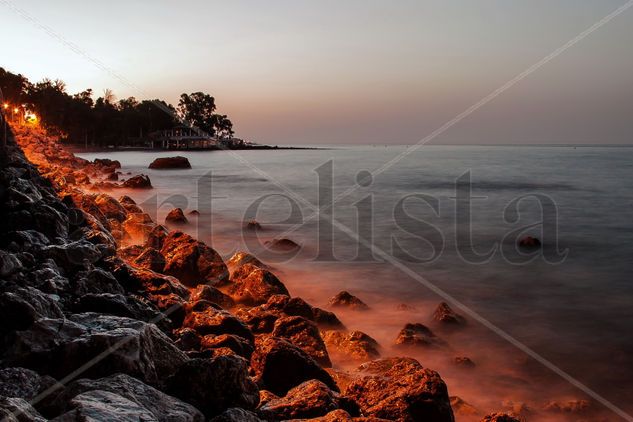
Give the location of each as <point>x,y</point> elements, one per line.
<point>574,310</point>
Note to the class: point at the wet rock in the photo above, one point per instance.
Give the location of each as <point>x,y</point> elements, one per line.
<point>74,256</point>
<point>176,217</point>
<point>445,315</point>
<point>464,362</point>
<point>572,406</point>
<point>259,320</point>
<point>304,334</point>
<point>236,414</point>
<point>462,408</point>
<point>96,281</point>
<point>307,400</point>
<point>254,286</point>
<point>24,240</point>
<point>403,307</point>
<point>156,237</point>
<point>106,162</point>
<point>215,385</point>
<point>252,225</point>
<point>241,258</point>
<point>23,383</point>
<point>9,264</point>
<point>138,226</point>
<point>120,305</point>
<point>187,339</point>
<point>161,406</point>
<point>205,319</point>
<point>241,346</point>
<point>150,259</point>
<point>191,261</point>
<point>279,366</point>
<point>282,245</point>
<point>499,417</point>
<point>21,307</point>
<point>347,300</point>
<point>353,345</point>
<point>101,405</point>
<point>418,335</point>
<point>213,295</point>
<point>194,213</point>
<point>110,207</point>
<point>177,162</point>
<point>58,346</point>
<point>400,389</point>
<point>529,242</point>
<point>140,181</point>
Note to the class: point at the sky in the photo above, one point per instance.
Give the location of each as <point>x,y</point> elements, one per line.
<point>351,71</point>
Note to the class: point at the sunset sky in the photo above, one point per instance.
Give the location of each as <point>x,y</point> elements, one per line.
<point>363,72</point>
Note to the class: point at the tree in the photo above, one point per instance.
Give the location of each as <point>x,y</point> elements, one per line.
<point>13,86</point>
<point>197,110</point>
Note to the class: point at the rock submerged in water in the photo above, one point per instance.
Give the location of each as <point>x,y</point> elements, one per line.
<point>445,315</point>
<point>418,335</point>
<point>177,162</point>
<point>529,242</point>
<point>282,245</point>
<point>139,181</point>
<point>400,389</point>
<point>176,217</point>
<point>347,300</point>
<point>307,400</point>
<point>305,334</point>
<point>499,417</point>
<point>355,345</point>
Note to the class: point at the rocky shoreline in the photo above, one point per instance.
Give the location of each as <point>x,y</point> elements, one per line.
<point>109,315</point>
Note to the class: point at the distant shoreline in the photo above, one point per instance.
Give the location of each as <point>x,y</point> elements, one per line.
<point>80,149</point>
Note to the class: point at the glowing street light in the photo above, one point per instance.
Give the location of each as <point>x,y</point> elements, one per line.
<point>16,110</point>
<point>6,105</point>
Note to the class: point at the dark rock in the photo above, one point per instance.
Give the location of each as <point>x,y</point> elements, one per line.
<point>194,213</point>
<point>106,162</point>
<point>529,242</point>
<point>176,217</point>
<point>254,286</point>
<point>414,335</point>
<point>304,334</point>
<point>140,181</point>
<point>446,315</point>
<point>464,362</point>
<point>215,385</point>
<point>347,300</point>
<point>161,406</point>
<point>307,400</point>
<point>23,383</point>
<point>13,409</point>
<point>187,339</point>
<point>571,406</point>
<point>74,256</point>
<point>400,389</point>
<point>252,225</point>
<point>170,163</point>
<point>462,408</point>
<point>499,417</point>
<point>241,346</point>
<point>327,319</point>
<point>241,258</point>
<point>58,346</point>
<point>99,405</point>
<point>236,414</point>
<point>355,345</point>
<point>96,281</point>
<point>282,245</point>
<point>21,307</point>
<point>279,366</point>
<point>191,261</point>
<point>156,237</point>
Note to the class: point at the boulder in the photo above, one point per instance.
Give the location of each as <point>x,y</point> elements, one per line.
<point>138,226</point>
<point>176,217</point>
<point>205,318</point>
<point>445,315</point>
<point>99,405</point>
<point>400,389</point>
<point>347,300</point>
<point>282,245</point>
<point>463,408</point>
<point>150,259</point>
<point>239,345</point>
<point>13,409</point>
<point>215,385</point>
<point>463,362</point>
<point>156,237</point>
<point>21,307</point>
<point>254,286</point>
<point>161,406</point>
<point>170,163</point>
<point>307,400</point>
<point>213,295</point>
<point>354,345</point>
<point>279,366</point>
<point>241,258</point>
<point>140,181</point>
<point>110,207</point>
<point>23,383</point>
<point>106,162</point>
<point>252,225</point>
<point>58,346</point>
<point>418,335</point>
<point>304,334</point>
<point>191,261</point>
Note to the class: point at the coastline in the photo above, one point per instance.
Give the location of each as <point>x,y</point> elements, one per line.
<point>80,149</point>
<point>215,324</point>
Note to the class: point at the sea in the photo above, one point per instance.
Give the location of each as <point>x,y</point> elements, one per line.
<point>406,228</point>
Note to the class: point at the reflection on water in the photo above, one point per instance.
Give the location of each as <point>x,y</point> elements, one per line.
<point>576,313</point>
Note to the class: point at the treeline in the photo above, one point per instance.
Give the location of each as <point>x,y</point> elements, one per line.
<point>79,118</point>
